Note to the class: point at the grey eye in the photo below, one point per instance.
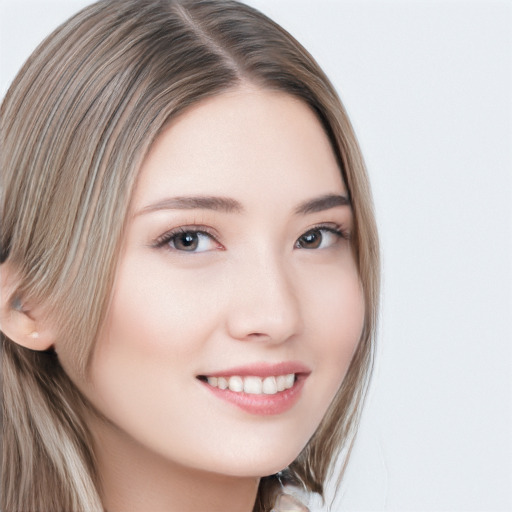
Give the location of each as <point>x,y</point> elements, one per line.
<point>186,241</point>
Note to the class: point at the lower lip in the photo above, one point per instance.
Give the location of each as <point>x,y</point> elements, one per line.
<point>263,405</point>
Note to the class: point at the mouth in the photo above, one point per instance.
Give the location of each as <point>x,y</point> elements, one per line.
<point>251,384</point>
<point>263,390</point>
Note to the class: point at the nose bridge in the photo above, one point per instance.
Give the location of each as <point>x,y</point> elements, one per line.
<point>265,303</point>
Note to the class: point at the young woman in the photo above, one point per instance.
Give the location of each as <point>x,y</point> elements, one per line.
<point>189,265</point>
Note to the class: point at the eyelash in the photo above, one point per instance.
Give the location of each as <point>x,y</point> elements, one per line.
<point>336,230</point>
<point>166,238</point>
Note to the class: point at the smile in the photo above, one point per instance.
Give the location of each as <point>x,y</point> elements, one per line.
<point>259,389</point>
<point>253,385</point>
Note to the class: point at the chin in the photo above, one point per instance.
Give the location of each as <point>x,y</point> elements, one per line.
<point>260,462</point>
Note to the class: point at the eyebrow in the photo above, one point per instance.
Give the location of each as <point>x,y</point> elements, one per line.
<point>221,204</point>
<point>229,205</point>
<point>322,203</point>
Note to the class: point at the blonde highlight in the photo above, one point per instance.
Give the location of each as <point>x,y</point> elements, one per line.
<point>75,127</point>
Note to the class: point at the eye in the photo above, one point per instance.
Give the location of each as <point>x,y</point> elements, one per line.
<point>320,238</point>
<point>188,240</point>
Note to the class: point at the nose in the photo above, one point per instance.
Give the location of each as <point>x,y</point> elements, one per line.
<point>265,305</point>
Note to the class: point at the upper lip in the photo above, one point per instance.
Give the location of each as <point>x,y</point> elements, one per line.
<point>262,370</point>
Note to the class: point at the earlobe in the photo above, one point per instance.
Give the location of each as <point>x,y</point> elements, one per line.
<point>18,321</point>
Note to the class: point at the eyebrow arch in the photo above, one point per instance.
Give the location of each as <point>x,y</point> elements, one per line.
<point>322,203</point>
<point>229,205</point>
<point>221,204</point>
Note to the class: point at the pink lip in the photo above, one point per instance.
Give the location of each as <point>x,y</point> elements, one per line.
<point>263,370</point>
<point>264,405</point>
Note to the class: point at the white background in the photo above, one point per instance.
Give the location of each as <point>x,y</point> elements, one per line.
<point>428,86</point>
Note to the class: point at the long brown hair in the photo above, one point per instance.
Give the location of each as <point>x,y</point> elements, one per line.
<point>75,126</point>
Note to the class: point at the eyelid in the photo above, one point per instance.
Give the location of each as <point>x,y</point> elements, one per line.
<point>164,239</point>
<point>332,227</point>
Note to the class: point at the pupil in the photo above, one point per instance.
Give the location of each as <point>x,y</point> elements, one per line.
<point>188,241</point>
<point>312,239</point>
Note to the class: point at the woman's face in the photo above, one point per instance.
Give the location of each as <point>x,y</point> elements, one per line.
<point>237,271</point>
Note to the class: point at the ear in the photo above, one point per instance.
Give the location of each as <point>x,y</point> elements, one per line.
<point>23,323</point>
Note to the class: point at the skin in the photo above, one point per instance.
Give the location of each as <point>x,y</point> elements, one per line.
<point>249,294</point>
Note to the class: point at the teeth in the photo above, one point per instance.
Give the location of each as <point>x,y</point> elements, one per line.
<point>269,386</point>
<point>289,380</point>
<point>254,385</point>
<point>236,384</point>
<point>281,383</point>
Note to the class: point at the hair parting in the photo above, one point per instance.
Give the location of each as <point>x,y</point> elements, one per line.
<point>75,127</point>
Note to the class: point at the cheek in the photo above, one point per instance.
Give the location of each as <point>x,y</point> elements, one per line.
<point>151,340</point>
<point>157,311</point>
<point>343,317</point>
<point>335,319</point>
<point>163,326</point>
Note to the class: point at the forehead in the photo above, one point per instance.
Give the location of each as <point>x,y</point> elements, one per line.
<point>247,143</point>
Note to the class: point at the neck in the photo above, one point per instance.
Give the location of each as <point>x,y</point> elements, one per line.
<point>135,479</point>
